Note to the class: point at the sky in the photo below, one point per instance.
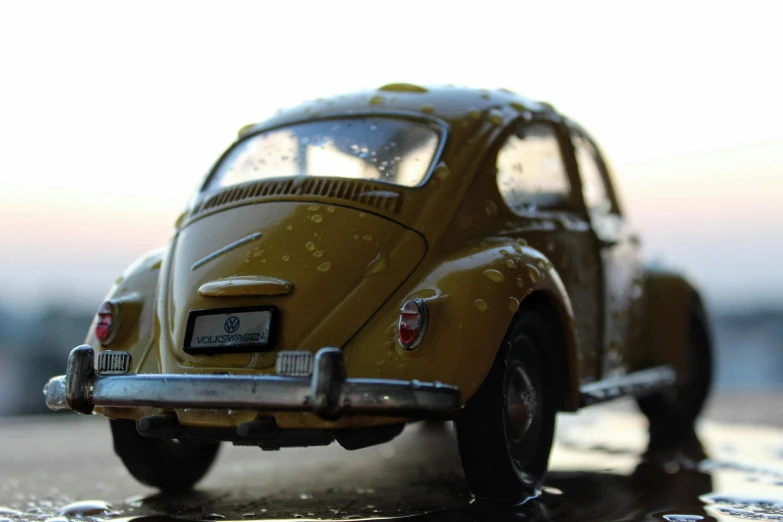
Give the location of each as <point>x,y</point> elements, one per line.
<point>111,113</point>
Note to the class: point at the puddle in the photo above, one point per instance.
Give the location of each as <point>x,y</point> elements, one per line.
<point>603,469</point>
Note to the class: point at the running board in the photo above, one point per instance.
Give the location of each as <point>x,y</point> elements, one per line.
<point>635,384</point>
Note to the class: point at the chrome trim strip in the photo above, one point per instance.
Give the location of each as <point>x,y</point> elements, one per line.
<point>221,251</point>
<point>328,393</point>
<point>243,286</point>
<point>638,384</point>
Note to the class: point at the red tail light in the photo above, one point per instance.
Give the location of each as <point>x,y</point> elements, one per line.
<point>412,324</point>
<point>108,321</point>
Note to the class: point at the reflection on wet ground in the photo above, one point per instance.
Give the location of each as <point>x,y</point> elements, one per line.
<point>603,469</point>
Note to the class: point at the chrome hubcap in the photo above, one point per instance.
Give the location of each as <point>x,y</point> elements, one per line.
<point>521,403</point>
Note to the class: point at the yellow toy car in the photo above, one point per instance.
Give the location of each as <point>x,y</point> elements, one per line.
<point>404,253</point>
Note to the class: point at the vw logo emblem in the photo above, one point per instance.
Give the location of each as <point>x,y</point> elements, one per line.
<point>231,325</point>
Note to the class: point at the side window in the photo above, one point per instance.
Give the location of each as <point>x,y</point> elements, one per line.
<point>530,169</point>
<point>593,181</point>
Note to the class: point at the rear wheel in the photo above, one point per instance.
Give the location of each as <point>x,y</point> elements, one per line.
<point>169,465</point>
<point>505,431</point>
<point>673,412</point>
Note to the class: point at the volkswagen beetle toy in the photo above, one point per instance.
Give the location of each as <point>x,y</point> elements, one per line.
<point>364,261</point>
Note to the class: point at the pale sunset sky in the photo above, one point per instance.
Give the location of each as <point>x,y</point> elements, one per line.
<point>110,114</point>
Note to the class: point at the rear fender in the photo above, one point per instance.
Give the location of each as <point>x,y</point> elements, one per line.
<point>472,295</point>
<point>670,302</point>
<point>135,291</point>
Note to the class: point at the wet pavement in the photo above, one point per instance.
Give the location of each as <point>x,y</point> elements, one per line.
<point>61,467</point>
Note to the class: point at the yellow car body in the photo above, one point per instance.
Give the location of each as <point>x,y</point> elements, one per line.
<point>338,257</point>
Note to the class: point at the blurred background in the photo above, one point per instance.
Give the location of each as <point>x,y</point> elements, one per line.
<point>110,114</point>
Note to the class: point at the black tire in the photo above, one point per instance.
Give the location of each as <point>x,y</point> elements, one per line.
<point>672,413</point>
<point>504,452</point>
<point>168,465</point>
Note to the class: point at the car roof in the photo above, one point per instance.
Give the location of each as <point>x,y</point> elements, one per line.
<point>451,105</point>
<point>471,118</point>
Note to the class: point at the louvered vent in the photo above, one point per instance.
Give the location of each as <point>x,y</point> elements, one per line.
<point>113,363</point>
<point>294,364</point>
<point>381,197</point>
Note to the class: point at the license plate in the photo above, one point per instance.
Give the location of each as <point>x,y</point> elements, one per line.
<point>229,331</point>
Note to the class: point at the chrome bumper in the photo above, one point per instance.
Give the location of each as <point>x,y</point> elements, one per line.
<point>328,392</point>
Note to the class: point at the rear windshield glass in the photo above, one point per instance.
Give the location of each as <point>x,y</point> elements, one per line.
<point>385,149</point>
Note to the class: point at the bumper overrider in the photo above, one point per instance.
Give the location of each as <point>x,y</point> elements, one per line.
<point>327,392</point>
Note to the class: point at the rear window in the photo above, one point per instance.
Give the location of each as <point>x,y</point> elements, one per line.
<point>384,149</point>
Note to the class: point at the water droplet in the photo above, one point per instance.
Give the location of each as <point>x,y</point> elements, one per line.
<point>381,362</point>
<point>491,208</point>
<point>520,282</point>
<point>376,100</point>
<point>317,218</point>
<point>533,273</point>
<point>313,207</point>
<point>318,253</point>
<point>388,345</point>
<point>367,237</point>
<point>493,275</point>
<point>305,496</point>
<point>362,215</point>
<point>376,266</point>
<point>480,304</point>
<point>495,117</point>
<point>427,109</point>
<point>258,253</point>
<point>356,236</point>
<point>513,304</point>
<point>310,246</point>
<point>289,227</point>
<point>263,261</point>
<point>286,257</point>
<point>85,508</point>
<point>510,263</point>
<point>442,171</point>
<point>403,87</point>
<point>330,210</point>
<point>324,267</point>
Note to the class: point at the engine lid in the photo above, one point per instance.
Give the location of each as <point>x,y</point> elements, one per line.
<point>324,269</point>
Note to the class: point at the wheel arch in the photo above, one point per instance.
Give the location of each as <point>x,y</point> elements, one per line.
<point>671,303</point>
<point>472,296</point>
<point>561,360</point>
